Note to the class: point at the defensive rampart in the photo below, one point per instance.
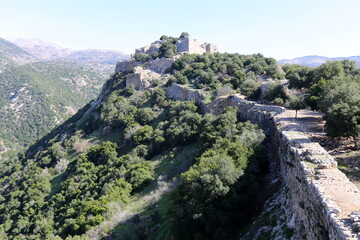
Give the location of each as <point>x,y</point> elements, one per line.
<point>325,203</point>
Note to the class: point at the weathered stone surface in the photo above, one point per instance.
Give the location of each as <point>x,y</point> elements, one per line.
<point>149,49</point>
<point>193,46</point>
<point>141,78</point>
<point>324,203</point>
<point>126,66</point>
<point>159,65</point>
<point>178,92</point>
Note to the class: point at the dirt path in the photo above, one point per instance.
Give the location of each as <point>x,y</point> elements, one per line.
<point>334,184</point>
<point>307,121</point>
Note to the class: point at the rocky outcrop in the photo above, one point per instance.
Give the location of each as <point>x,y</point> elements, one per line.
<point>159,65</point>
<point>182,93</point>
<point>126,66</point>
<point>142,78</point>
<point>149,49</point>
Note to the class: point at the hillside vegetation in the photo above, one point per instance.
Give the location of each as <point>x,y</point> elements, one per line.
<point>42,85</point>
<point>12,55</point>
<point>137,164</point>
<point>155,168</point>
<point>39,96</point>
<point>332,88</point>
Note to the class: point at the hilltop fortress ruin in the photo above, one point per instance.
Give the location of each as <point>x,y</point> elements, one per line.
<point>141,73</point>
<point>321,202</point>
<point>184,45</point>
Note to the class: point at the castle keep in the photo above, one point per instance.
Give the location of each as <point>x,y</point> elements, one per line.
<point>184,45</point>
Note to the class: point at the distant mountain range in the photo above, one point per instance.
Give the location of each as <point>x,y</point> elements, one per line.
<point>315,61</point>
<point>45,50</point>
<point>11,55</point>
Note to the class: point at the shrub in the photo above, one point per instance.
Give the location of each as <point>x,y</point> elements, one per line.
<point>141,57</point>
<point>184,34</point>
<point>278,101</point>
<point>275,90</point>
<point>140,173</point>
<point>167,50</point>
<point>164,37</point>
<point>225,90</point>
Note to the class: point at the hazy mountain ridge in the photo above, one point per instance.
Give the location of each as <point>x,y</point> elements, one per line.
<point>45,50</point>
<point>315,61</point>
<point>12,55</point>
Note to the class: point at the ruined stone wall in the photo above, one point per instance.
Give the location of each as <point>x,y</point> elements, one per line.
<point>159,65</point>
<point>141,78</point>
<point>193,46</point>
<point>324,202</point>
<point>178,92</point>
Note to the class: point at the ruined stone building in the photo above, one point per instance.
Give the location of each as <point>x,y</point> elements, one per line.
<point>184,45</point>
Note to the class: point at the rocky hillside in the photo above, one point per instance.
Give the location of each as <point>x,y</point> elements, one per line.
<point>138,164</point>
<point>36,97</point>
<point>12,55</point>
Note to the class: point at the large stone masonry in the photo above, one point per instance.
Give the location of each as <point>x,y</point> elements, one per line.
<point>141,78</point>
<point>193,46</point>
<point>178,92</point>
<point>159,65</point>
<point>325,204</point>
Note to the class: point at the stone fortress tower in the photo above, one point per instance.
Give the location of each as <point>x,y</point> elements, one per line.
<point>184,45</point>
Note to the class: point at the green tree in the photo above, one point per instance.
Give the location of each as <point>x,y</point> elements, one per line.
<point>341,103</point>
<point>184,34</point>
<point>299,76</point>
<point>141,57</point>
<point>167,50</point>
<point>140,173</point>
<point>144,116</point>
<point>275,90</point>
<point>103,154</point>
<point>143,135</point>
<point>164,37</point>
<point>296,103</point>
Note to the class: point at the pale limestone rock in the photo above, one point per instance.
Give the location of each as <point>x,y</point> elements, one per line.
<point>193,46</point>
<point>149,49</point>
<point>160,65</point>
<point>126,66</point>
<point>141,78</point>
<point>61,165</point>
<point>182,93</point>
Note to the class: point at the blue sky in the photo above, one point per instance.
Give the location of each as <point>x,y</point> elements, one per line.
<point>275,28</point>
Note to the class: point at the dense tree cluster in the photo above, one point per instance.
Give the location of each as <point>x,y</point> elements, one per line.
<point>120,147</point>
<point>37,96</point>
<point>66,186</point>
<point>332,88</point>
<point>212,71</point>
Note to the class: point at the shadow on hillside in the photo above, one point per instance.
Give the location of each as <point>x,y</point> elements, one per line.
<point>66,126</point>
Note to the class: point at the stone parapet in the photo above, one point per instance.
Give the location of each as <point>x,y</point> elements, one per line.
<point>324,202</point>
